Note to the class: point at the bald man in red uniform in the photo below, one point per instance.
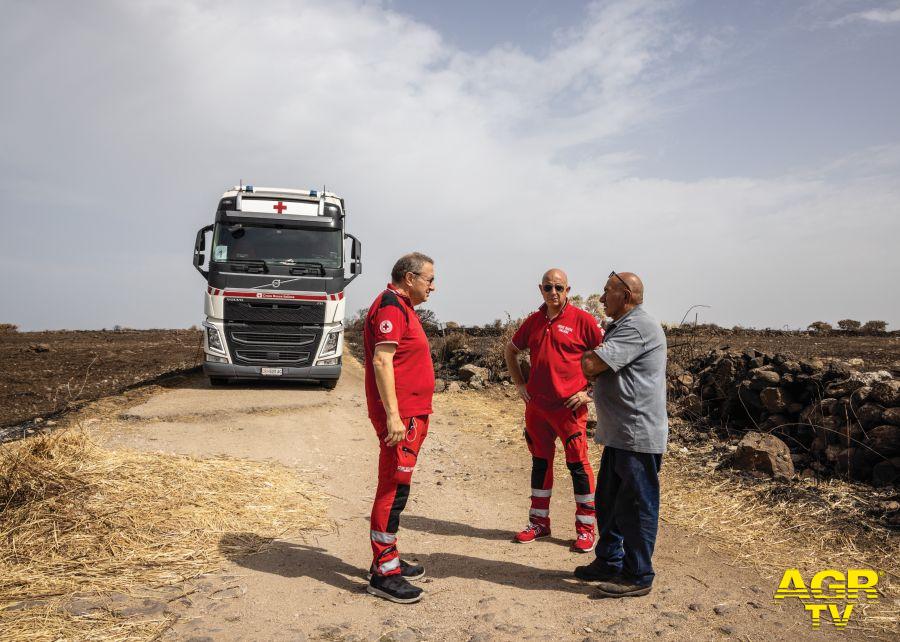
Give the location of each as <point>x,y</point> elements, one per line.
<point>556,401</point>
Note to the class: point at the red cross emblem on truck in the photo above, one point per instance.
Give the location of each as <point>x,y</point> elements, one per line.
<point>280,207</point>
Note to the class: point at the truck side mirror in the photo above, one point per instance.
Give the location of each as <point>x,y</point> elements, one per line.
<point>355,257</point>
<point>199,247</point>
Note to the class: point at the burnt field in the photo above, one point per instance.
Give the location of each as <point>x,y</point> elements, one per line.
<point>44,373</point>
<point>877,352</point>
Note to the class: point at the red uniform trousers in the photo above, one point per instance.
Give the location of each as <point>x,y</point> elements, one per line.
<point>395,468</point>
<point>542,427</point>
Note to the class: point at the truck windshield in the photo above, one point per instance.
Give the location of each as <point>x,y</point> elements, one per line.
<point>277,245</point>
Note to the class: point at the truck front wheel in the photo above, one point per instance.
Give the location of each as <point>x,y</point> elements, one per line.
<point>329,384</point>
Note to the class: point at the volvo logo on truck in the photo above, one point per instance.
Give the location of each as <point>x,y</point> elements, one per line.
<point>291,240</point>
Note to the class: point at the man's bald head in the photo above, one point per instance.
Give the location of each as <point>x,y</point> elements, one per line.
<point>635,285</point>
<point>554,287</point>
<point>555,275</point>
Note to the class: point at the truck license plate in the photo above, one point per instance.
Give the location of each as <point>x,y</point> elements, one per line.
<point>272,372</point>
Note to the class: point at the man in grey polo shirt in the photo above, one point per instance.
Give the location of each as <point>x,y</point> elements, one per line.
<point>629,375</point>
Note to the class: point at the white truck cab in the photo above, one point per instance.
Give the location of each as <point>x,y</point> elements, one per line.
<point>275,282</point>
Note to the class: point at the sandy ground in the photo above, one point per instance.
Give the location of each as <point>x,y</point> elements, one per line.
<point>469,495</point>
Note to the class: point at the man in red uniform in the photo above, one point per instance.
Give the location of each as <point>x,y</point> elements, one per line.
<point>399,387</point>
<point>556,404</point>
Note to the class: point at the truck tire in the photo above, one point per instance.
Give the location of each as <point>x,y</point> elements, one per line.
<point>329,384</point>
<point>218,381</point>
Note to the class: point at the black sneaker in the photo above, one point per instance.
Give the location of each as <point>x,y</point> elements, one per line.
<point>621,588</point>
<point>407,570</point>
<point>596,571</point>
<point>394,588</point>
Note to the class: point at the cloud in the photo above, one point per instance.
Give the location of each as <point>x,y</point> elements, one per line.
<point>880,16</point>
<point>125,122</point>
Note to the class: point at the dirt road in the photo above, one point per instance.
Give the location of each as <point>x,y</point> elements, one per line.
<point>467,499</point>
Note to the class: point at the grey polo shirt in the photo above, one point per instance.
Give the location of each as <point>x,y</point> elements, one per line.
<point>631,395</point>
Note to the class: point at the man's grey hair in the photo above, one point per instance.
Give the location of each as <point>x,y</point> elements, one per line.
<point>412,262</point>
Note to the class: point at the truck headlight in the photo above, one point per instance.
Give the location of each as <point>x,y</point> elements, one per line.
<point>213,339</point>
<point>331,344</point>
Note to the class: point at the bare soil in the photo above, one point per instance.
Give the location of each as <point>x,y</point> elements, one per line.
<point>43,373</point>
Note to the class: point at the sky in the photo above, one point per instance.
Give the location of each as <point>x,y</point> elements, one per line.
<point>739,154</point>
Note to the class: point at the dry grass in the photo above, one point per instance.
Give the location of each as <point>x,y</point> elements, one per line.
<point>752,523</point>
<point>773,527</point>
<point>80,522</point>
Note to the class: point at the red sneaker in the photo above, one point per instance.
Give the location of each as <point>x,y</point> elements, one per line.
<point>531,533</point>
<point>585,542</point>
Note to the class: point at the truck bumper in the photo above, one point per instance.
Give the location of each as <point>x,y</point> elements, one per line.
<point>309,373</point>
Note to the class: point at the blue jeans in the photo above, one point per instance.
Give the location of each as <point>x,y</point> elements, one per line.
<point>627,502</point>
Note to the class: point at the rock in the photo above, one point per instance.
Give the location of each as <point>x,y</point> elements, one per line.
<point>39,347</point>
<point>856,362</point>
<point>773,399</point>
<point>764,453</point>
<point>885,440</point>
<point>145,607</point>
<point>81,607</point>
<point>836,370</point>
<point>860,395</point>
<point>476,384</point>
<point>724,374</point>
<point>440,385</point>
<point>686,380</point>
<point>401,635</point>
<point>870,414</point>
<point>891,416</point>
<point>774,421</point>
<point>792,367</point>
<point>828,406</point>
<point>887,473</point>
<point>895,368</point>
<point>690,406</point>
<point>870,378</point>
<point>887,393</point>
<point>795,408</point>
<point>722,609</point>
<point>763,378</point>
<point>812,366</point>
<point>469,373</point>
<point>453,386</point>
<point>843,388</point>
<point>694,606</point>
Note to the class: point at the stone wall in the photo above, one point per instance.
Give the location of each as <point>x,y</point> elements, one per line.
<point>833,417</point>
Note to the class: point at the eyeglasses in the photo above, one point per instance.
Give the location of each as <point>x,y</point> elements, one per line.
<point>428,281</point>
<point>549,287</point>
<point>613,274</point>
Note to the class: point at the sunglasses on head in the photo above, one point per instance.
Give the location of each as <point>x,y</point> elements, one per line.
<point>549,287</point>
<point>613,274</point>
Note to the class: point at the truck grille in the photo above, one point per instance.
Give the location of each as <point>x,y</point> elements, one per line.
<point>286,339</point>
<point>268,311</point>
<point>262,344</point>
<point>257,356</point>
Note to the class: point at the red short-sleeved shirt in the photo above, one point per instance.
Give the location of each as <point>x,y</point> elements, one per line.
<point>392,319</point>
<point>556,347</point>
